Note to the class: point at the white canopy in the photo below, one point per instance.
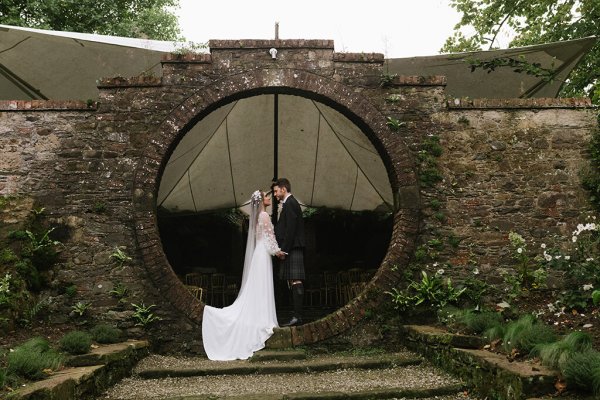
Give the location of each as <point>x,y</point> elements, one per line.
<point>230,153</point>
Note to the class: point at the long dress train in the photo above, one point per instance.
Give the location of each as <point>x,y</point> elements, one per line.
<point>237,331</point>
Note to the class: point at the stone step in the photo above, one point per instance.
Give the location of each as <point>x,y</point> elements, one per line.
<point>271,355</point>
<point>490,374</point>
<point>348,380</point>
<point>155,367</point>
<point>88,375</point>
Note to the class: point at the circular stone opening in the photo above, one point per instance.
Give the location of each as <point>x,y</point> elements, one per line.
<point>336,174</point>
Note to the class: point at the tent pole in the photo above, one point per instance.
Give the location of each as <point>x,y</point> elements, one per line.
<point>274,201</point>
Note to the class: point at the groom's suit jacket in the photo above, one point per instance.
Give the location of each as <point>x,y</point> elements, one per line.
<point>289,229</point>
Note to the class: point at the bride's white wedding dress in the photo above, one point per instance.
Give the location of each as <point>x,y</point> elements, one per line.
<point>237,331</point>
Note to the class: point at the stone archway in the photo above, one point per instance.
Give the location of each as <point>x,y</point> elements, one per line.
<point>394,153</point>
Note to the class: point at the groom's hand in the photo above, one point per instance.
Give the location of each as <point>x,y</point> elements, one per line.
<point>280,255</point>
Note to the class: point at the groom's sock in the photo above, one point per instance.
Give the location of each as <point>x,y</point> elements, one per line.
<point>298,296</point>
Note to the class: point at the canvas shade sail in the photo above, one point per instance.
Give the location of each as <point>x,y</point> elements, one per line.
<point>230,153</point>
<point>503,82</point>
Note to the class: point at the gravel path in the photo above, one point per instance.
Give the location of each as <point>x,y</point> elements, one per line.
<point>413,377</point>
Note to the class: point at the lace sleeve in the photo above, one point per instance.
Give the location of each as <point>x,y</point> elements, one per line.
<point>265,232</point>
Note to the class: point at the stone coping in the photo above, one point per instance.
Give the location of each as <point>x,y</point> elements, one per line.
<point>550,102</point>
<point>375,58</point>
<point>251,44</point>
<point>135,81</point>
<point>191,58</point>
<point>116,362</point>
<point>47,105</point>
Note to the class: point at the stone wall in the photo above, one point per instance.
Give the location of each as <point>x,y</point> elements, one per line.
<point>509,165</point>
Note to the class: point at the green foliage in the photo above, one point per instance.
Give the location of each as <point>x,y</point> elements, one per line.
<point>582,371</point>
<point>76,342</point>
<point>475,289</point>
<point>5,289</point>
<point>41,249</point>
<point>99,207</point>
<point>432,291</point>
<point>36,309</point>
<point>143,316</point>
<point>495,332</point>
<point>7,256</point>
<point>525,333</point>
<point>32,358</point>
<point>555,355</point>
<point>479,322</point>
<point>394,124</point>
<point>533,22</point>
<point>596,297</point>
<point>120,291</point>
<point>517,65</point>
<point>30,274</point>
<point>152,19</point>
<point>71,290</point>
<point>393,98</point>
<point>120,256</point>
<point>80,308</point>
<point>104,333</point>
<point>386,80</point>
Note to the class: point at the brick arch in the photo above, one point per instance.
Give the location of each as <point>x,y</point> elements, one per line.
<point>392,149</point>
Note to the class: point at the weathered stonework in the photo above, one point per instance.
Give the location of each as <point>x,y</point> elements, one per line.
<point>509,164</point>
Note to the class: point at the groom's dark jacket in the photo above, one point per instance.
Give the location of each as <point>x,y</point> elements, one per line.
<point>289,229</point>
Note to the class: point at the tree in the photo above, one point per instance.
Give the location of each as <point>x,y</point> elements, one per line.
<point>151,19</point>
<point>533,22</point>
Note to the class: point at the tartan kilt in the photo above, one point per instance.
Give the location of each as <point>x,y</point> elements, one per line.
<point>293,265</point>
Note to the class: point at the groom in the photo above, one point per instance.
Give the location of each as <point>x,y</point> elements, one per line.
<point>289,232</point>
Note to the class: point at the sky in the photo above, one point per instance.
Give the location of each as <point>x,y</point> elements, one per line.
<point>396,28</point>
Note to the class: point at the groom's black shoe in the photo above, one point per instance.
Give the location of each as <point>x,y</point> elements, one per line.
<point>293,322</point>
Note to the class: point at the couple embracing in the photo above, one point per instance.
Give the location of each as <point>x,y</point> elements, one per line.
<point>237,331</point>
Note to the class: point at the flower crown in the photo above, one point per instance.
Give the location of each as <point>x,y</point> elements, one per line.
<point>256,197</point>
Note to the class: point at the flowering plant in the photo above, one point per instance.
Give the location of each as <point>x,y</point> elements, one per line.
<point>5,288</point>
<point>578,260</point>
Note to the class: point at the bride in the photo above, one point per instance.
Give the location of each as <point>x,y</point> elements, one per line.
<point>237,331</point>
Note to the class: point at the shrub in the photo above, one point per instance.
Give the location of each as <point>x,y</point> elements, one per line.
<point>495,332</point>
<point>555,354</point>
<point>525,333</point>
<point>31,359</point>
<point>76,342</point>
<point>582,371</point>
<point>479,322</point>
<point>104,333</point>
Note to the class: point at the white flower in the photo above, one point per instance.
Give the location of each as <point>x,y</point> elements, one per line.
<point>557,257</point>
<point>548,257</point>
<point>476,271</point>
<point>543,245</point>
<point>567,258</point>
<point>503,305</point>
<point>587,287</point>
<point>435,264</point>
<point>440,271</point>
<point>589,259</point>
<point>519,250</point>
<point>574,239</point>
<point>551,307</point>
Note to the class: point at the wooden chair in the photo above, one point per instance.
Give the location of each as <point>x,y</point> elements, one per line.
<point>343,287</point>
<point>329,289</point>
<point>312,290</point>
<point>217,289</point>
<point>196,291</point>
<point>193,279</point>
<point>230,290</point>
<point>355,283</point>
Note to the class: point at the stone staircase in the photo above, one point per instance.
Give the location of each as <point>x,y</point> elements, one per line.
<point>289,374</point>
